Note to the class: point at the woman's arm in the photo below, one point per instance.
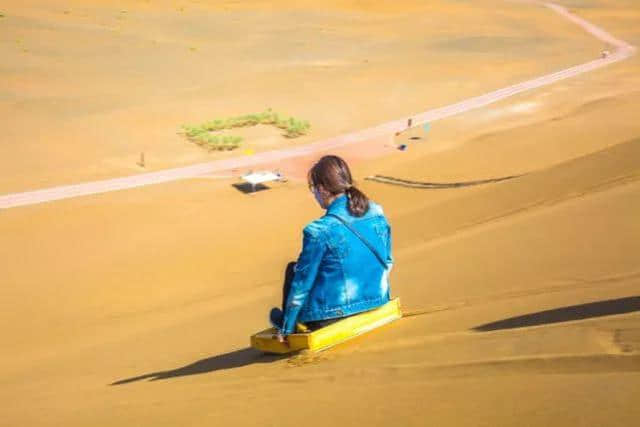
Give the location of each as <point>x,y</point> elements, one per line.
<point>306,270</point>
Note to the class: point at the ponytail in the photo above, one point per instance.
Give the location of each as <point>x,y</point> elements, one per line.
<point>358,201</point>
<point>333,175</point>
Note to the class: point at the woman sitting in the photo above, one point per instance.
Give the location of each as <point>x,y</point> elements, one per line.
<point>346,255</point>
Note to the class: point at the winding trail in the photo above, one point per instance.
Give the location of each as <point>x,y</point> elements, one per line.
<point>620,50</point>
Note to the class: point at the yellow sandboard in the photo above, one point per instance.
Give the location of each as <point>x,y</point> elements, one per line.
<point>343,330</point>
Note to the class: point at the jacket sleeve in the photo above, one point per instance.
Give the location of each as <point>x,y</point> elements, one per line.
<point>306,270</point>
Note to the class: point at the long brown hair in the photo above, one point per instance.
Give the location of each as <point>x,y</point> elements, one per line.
<point>333,174</point>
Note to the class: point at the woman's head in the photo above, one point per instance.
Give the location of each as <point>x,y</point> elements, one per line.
<point>330,177</point>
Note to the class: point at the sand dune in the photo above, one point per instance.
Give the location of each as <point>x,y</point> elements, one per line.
<point>89,85</point>
<point>135,307</point>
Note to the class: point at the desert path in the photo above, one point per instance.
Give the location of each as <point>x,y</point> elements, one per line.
<point>621,50</point>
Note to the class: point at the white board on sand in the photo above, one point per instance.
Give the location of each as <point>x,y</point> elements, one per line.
<point>255,178</point>
<point>260,177</point>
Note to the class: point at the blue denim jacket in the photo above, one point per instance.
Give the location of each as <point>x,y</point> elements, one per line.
<point>336,274</point>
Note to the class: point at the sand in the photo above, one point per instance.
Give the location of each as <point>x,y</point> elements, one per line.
<point>104,293</point>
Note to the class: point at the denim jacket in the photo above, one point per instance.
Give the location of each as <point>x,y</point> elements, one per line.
<point>337,274</point>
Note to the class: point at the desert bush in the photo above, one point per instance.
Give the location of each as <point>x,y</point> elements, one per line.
<point>214,125</point>
<point>201,134</point>
<point>296,127</point>
<point>267,117</point>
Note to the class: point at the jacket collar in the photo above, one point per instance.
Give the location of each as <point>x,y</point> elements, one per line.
<point>338,206</point>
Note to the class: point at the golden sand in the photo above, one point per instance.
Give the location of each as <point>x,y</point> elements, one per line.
<point>135,307</point>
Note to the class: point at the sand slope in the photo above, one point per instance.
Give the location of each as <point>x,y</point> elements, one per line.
<point>135,307</point>
<point>490,262</point>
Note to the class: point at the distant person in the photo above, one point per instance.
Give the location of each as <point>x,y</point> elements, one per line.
<point>346,255</point>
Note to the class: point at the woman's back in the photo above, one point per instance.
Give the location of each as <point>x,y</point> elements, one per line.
<point>346,254</point>
<point>349,278</point>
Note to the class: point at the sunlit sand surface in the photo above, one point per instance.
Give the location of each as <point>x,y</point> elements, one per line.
<point>135,307</point>
<point>87,86</point>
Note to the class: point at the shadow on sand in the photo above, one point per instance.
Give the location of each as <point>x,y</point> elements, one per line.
<point>234,359</point>
<point>248,188</point>
<point>565,314</point>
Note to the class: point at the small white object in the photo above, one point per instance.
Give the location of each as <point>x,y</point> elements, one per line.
<point>254,178</point>
<point>259,177</point>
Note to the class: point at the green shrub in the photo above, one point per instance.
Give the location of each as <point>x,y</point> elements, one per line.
<point>214,125</point>
<point>296,128</point>
<point>201,134</point>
